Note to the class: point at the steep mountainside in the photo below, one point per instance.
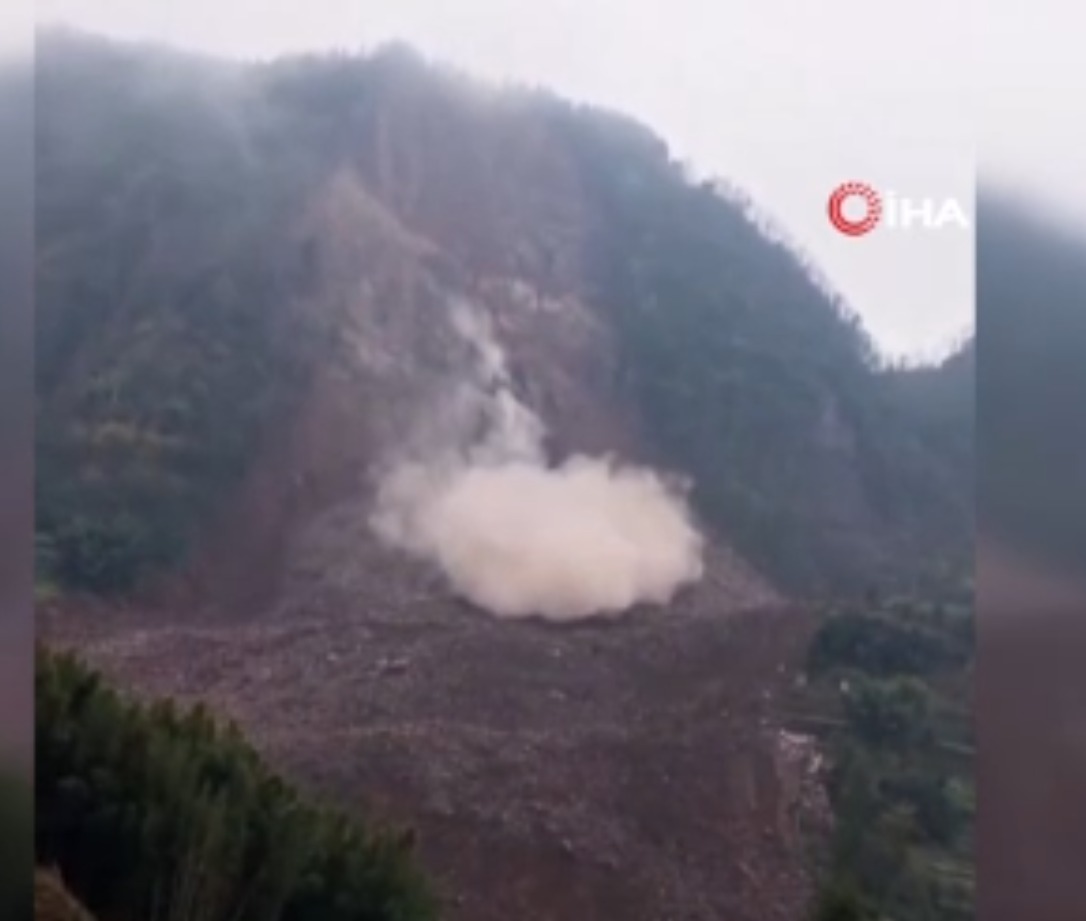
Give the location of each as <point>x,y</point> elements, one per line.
<point>233,257</point>
<point>250,279</point>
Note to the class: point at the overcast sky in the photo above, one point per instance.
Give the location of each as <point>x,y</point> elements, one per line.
<point>786,97</point>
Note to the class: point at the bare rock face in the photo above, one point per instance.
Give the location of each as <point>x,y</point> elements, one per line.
<point>386,355</point>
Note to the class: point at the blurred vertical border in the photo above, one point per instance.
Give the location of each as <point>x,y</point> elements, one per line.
<point>16,457</point>
<point>1031,449</point>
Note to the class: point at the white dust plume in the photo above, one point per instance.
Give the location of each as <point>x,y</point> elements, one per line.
<point>517,536</point>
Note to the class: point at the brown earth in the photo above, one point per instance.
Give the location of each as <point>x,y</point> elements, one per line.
<point>626,771</point>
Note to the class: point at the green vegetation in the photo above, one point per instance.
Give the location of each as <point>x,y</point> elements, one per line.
<point>165,342</point>
<point>150,812</point>
<point>889,690</point>
<point>886,641</point>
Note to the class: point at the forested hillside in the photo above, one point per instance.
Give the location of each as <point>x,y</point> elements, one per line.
<point>890,693</point>
<point>179,324</point>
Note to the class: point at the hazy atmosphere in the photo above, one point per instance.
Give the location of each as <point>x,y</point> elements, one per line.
<point>782,97</point>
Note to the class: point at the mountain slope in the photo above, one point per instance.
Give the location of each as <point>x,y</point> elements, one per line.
<point>249,278</point>
<point>207,229</point>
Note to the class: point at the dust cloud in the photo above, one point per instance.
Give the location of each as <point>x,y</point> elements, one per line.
<point>475,496</point>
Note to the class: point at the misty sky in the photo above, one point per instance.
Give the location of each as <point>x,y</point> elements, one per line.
<point>786,97</point>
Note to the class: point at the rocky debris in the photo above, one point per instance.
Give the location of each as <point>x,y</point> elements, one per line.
<point>802,768</point>
<point>393,666</point>
<point>631,769</point>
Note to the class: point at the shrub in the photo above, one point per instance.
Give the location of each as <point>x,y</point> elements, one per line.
<point>151,811</point>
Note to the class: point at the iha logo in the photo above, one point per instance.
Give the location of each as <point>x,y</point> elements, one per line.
<point>868,209</point>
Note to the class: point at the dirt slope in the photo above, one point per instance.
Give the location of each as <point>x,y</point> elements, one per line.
<point>634,770</point>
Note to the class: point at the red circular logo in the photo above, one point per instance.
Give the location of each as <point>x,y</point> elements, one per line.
<point>872,212</point>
